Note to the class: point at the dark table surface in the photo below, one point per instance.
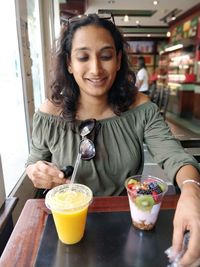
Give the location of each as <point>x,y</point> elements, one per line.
<point>25,244</point>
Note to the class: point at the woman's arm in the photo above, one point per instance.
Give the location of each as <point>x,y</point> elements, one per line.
<point>187,215</point>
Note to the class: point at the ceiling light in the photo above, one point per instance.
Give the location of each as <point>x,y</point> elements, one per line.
<point>173,17</point>
<point>155,3</point>
<point>137,22</point>
<point>174,47</point>
<point>168,34</point>
<point>148,35</point>
<point>126,18</point>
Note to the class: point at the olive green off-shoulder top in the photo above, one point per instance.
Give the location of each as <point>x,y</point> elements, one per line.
<point>119,147</point>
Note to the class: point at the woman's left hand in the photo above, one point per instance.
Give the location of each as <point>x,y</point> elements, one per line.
<point>187,218</point>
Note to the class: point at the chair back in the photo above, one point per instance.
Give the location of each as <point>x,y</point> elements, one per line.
<point>151,90</point>
<point>164,100</point>
<point>155,96</point>
<point>160,96</point>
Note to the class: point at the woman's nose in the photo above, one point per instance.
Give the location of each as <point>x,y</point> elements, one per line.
<point>96,66</point>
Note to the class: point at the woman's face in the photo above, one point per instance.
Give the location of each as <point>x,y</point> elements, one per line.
<point>94,62</point>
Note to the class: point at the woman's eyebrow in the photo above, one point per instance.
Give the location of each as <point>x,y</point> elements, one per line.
<point>107,47</point>
<point>88,48</point>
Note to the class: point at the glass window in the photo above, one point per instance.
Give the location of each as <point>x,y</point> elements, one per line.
<point>35,45</point>
<point>13,134</point>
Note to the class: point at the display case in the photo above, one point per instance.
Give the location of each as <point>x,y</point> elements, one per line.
<point>177,72</point>
<point>181,67</point>
<point>179,63</point>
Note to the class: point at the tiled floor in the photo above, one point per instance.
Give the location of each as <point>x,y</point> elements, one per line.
<point>187,125</point>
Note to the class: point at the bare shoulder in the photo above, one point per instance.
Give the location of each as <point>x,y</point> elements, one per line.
<point>140,99</point>
<point>50,108</point>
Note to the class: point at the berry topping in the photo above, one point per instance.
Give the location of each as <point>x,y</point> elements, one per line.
<point>148,187</point>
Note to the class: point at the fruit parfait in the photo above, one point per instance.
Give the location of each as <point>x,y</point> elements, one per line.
<point>145,195</point>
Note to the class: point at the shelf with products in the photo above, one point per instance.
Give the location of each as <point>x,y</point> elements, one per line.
<point>177,66</point>
<point>181,54</point>
<point>181,67</point>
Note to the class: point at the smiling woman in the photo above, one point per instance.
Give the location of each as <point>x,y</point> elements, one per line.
<point>92,79</point>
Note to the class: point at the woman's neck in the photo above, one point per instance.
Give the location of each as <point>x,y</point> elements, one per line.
<point>94,108</point>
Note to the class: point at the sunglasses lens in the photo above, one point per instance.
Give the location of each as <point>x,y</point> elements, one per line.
<point>87,149</point>
<point>86,127</point>
<point>105,16</point>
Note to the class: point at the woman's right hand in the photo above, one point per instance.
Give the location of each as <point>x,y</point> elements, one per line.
<point>46,175</point>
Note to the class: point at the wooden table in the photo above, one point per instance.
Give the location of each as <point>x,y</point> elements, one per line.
<point>22,247</point>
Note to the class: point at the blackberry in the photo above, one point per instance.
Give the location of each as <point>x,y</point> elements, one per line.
<point>142,192</point>
<point>157,189</point>
<point>149,192</point>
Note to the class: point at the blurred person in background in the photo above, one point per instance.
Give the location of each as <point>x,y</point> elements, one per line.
<point>142,79</point>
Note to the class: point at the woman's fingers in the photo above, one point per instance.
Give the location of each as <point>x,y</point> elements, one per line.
<point>177,241</point>
<point>45,175</point>
<point>192,253</point>
<point>51,171</point>
<point>187,218</point>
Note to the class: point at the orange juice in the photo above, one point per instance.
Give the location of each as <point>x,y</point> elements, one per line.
<point>69,206</point>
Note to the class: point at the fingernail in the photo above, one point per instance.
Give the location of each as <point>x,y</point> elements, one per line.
<point>61,175</point>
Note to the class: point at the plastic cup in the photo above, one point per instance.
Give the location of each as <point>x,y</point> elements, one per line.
<point>69,205</point>
<point>145,198</point>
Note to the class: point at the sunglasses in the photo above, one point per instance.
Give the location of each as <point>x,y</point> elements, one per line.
<point>104,16</point>
<point>86,146</point>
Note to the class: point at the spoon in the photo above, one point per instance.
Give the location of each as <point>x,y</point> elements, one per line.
<point>86,127</point>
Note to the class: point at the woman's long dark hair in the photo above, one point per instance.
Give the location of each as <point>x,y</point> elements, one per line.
<point>141,62</point>
<point>64,91</point>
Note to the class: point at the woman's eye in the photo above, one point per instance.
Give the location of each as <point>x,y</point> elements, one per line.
<point>106,57</point>
<point>83,58</point>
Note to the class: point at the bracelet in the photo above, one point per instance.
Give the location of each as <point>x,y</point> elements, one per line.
<point>191,181</point>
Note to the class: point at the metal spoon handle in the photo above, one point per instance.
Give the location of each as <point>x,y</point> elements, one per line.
<point>75,168</point>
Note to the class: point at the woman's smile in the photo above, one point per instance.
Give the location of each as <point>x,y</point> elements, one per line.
<point>97,82</point>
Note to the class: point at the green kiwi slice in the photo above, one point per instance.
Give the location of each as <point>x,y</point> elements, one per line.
<point>144,202</point>
<point>162,187</point>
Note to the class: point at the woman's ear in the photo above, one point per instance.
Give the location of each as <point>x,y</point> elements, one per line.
<point>119,58</point>
<point>69,67</point>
